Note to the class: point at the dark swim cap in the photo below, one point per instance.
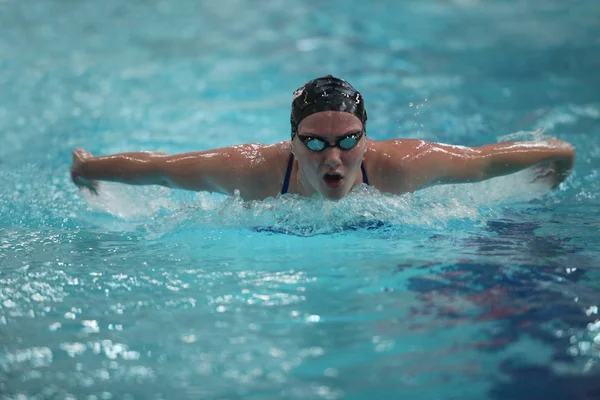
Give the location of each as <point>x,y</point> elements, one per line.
<point>326,94</point>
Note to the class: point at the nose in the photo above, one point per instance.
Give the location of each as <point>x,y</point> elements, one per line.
<point>333,157</point>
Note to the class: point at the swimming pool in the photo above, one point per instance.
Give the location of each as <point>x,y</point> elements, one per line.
<point>483,291</point>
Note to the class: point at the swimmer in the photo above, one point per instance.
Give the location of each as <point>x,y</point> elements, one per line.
<point>327,155</point>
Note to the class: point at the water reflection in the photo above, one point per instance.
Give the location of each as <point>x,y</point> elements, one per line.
<point>539,292</point>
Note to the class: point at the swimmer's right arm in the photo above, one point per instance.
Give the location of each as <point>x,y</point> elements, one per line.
<point>221,170</point>
<point>139,168</point>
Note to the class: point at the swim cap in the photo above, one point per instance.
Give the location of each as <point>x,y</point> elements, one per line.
<point>326,94</point>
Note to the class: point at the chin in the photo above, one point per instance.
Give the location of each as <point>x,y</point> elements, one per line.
<point>334,195</point>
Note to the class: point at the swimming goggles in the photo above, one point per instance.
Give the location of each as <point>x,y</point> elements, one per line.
<point>317,144</point>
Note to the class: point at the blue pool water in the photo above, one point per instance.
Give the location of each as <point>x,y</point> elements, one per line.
<point>482,291</point>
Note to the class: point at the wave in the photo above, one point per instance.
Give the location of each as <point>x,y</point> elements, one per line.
<point>159,211</point>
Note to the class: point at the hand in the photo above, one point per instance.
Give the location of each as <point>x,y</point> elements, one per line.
<point>552,173</point>
<point>555,172</point>
<point>79,157</point>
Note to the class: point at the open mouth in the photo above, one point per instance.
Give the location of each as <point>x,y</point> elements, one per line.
<point>333,180</point>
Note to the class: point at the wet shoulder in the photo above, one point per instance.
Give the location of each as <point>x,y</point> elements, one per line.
<point>268,164</point>
<point>391,152</point>
<point>262,155</point>
<point>387,163</point>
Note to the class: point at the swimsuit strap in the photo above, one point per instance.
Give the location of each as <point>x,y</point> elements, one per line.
<point>364,173</point>
<point>288,173</point>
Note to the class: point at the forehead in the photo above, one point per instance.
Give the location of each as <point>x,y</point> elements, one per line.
<point>330,122</point>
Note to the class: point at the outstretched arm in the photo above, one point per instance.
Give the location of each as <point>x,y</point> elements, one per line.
<point>139,168</point>
<point>435,163</point>
<point>506,158</point>
<point>244,167</point>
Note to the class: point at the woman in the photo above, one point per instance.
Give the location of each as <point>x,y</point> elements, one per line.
<point>328,155</point>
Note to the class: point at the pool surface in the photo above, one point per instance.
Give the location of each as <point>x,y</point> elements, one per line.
<point>479,291</point>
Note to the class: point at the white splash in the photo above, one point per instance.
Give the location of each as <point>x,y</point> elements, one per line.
<point>158,213</point>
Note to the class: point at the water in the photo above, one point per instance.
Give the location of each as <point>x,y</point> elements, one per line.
<point>483,291</point>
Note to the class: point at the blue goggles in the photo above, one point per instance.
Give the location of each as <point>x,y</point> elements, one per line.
<point>317,144</point>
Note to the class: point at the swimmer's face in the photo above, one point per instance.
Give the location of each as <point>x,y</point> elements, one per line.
<point>333,171</point>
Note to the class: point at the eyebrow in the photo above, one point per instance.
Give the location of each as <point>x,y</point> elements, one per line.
<point>317,136</point>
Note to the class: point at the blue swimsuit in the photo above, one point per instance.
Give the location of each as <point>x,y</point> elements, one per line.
<point>288,173</point>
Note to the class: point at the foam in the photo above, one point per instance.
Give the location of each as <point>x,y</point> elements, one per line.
<point>158,212</point>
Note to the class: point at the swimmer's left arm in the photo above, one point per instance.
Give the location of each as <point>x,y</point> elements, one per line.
<point>507,158</point>
<point>439,163</point>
